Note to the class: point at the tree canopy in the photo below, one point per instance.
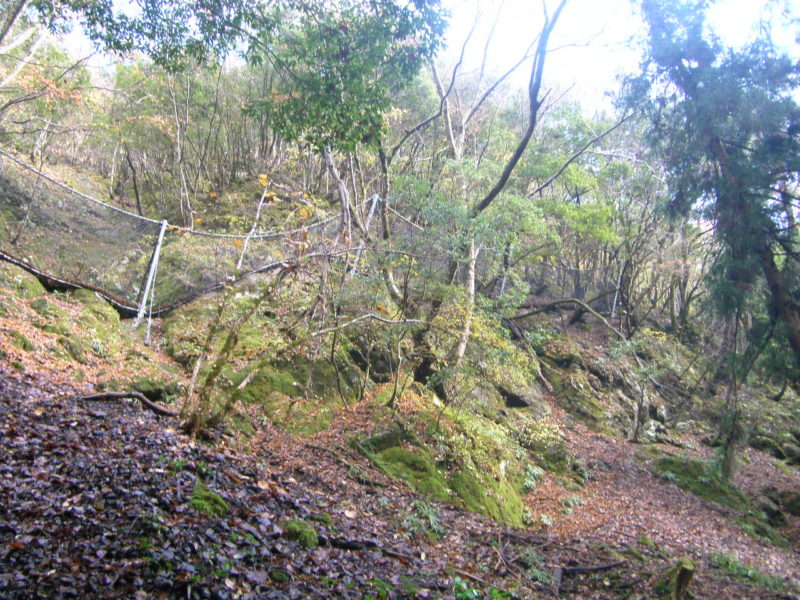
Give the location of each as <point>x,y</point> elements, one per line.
<point>727,127</point>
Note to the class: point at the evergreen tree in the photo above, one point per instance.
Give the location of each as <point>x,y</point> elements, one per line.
<point>727,127</point>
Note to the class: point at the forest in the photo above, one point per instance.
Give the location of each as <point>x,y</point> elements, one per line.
<point>330,299</point>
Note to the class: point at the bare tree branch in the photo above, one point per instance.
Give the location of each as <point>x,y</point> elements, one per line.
<point>534,88</point>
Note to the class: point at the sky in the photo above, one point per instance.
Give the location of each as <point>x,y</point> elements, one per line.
<point>594,41</point>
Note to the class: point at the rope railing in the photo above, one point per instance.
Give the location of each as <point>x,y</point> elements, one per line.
<point>170,226</point>
<point>69,239</point>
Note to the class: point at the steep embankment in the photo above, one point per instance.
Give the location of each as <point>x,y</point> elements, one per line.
<point>107,500</point>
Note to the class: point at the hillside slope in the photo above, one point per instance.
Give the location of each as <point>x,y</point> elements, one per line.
<point>108,500</point>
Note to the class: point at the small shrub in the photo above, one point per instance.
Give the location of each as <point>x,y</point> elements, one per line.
<point>669,476</point>
<point>533,476</point>
<point>424,519</point>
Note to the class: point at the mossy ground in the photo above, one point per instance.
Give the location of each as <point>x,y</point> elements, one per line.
<point>700,479</point>
<point>77,333</point>
<point>205,501</point>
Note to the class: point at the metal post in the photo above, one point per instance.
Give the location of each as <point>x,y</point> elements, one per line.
<point>151,274</point>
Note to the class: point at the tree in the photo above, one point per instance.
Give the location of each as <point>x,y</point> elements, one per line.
<point>727,127</point>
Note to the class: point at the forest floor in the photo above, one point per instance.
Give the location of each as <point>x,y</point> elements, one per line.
<point>106,500</point>
<point>96,501</point>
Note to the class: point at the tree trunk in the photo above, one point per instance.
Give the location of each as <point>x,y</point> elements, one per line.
<point>782,301</point>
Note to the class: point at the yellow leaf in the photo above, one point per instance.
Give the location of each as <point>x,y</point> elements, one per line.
<point>237,243</point>
<point>198,220</point>
<point>212,195</point>
<point>278,255</point>
<point>304,213</point>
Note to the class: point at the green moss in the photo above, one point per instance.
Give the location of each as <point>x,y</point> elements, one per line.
<point>20,282</point>
<point>158,387</point>
<point>563,352</point>
<point>673,583</point>
<point>242,424</point>
<point>575,394</point>
<point>647,542</point>
<point>544,441</point>
<point>698,478</point>
<point>384,440</point>
<point>207,502</point>
<point>744,572</point>
<point>480,484</point>
<point>46,308</point>
<point>75,349</point>
<point>303,532</point>
<point>324,518</point>
<point>416,467</point>
<point>57,328</point>
<point>95,305</point>
<point>280,391</point>
<point>497,499</point>
<point>22,342</point>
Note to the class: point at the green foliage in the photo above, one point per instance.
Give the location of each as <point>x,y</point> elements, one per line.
<point>21,282</point>
<point>534,566</point>
<point>727,126</point>
<point>463,591</point>
<point>533,475</point>
<point>423,519</point>
<point>205,501</point>
<point>337,67</point>
<point>544,441</point>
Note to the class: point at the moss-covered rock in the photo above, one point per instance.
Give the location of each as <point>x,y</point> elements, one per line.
<point>19,282</point>
<point>563,352</point>
<point>75,349</point>
<point>576,395</point>
<point>500,500</point>
<point>300,397</point>
<point>158,389</point>
<point>302,532</point>
<point>416,467</point>
<point>205,501</point>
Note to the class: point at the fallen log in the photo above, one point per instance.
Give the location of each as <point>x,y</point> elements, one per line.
<point>148,404</point>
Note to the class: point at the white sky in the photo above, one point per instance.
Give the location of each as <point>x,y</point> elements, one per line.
<point>592,43</point>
